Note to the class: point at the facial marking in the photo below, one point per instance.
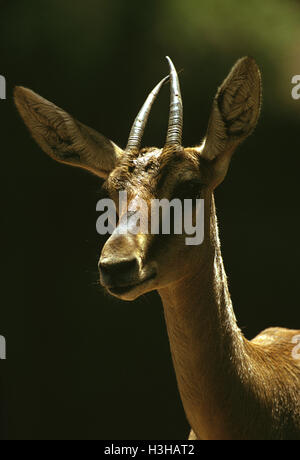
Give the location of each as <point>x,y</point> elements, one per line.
<point>148,159</point>
<point>155,173</point>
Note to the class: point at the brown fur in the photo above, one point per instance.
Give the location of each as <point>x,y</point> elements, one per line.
<point>231,388</point>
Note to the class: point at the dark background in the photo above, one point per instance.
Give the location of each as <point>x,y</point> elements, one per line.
<point>80,364</point>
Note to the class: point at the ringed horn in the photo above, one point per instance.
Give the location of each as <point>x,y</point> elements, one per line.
<point>138,127</point>
<point>174,134</point>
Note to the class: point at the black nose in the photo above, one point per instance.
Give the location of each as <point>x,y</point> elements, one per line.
<point>117,272</point>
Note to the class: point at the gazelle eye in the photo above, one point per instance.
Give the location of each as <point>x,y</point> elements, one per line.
<point>188,190</point>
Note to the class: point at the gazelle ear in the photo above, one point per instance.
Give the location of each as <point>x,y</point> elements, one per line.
<point>234,115</point>
<point>64,138</point>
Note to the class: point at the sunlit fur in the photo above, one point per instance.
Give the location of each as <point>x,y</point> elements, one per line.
<point>231,388</point>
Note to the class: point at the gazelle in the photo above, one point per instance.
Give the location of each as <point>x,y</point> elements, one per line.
<point>231,388</point>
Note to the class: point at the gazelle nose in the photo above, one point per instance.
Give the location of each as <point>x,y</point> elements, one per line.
<point>117,272</point>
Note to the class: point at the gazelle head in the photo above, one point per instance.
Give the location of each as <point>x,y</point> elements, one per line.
<point>132,264</point>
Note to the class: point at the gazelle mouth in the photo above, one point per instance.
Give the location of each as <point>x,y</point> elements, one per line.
<point>119,290</point>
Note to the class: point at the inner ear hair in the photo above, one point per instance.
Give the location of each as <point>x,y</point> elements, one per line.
<point>235,110</point>
<point>63,138</point>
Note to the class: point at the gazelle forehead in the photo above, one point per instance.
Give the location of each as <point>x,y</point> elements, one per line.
<point>148,157</point>
<point>152,163</point>
<point>153,168</point>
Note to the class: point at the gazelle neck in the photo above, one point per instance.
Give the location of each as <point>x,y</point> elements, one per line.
<point>208,349</point>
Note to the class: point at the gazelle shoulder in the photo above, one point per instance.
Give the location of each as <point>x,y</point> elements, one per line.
<point>275,335</point>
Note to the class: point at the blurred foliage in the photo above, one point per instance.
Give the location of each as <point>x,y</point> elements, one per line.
<point>214,30</point>
<point>202,36</point>
<point>113,52</point>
